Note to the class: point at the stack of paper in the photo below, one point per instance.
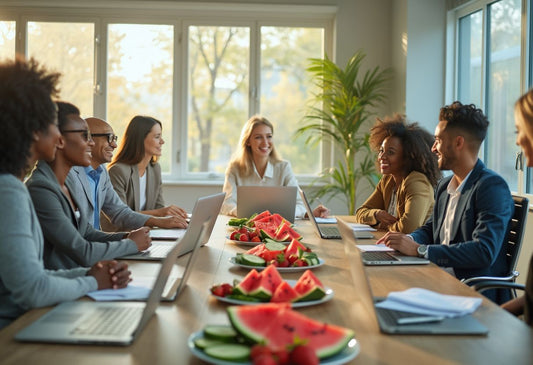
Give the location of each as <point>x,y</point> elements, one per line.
<point>356,227</point>
<point>427,302</point>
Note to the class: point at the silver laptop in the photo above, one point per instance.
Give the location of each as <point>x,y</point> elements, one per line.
<point>399,322</point>
<point>107,323</point>
<point>206,209</point>
<point>276,199</point>
<point>379,257</point>
<point>325,230</point>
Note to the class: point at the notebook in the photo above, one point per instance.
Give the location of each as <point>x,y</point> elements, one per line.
<point>206,209</point>
<point>276,199</point>
<point>107,323</point>
<point>325,230</point>
<point>389,321</point>
<point>379,257</point>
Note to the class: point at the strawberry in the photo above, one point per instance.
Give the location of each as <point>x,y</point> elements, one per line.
<point>303,355</point>
<point>259,349</point>
<point>217,290</point>
<point>264,359</point>
<point>227,289</point>
<point>243,237</point>
<point>255,239</point>
<point>234,235</point>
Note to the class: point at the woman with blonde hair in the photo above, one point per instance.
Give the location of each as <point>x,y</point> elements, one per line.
<point>135,172</point>
<point>256,162</point>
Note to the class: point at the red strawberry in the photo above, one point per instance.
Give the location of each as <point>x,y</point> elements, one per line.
<point>303,355</point>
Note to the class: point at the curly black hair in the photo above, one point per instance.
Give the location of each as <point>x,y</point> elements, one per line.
<point>416,143</point>
<point>465,118</point>
<point>26,107</point>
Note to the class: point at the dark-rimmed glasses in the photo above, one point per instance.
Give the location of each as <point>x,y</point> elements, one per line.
<point>110,136</point>
<point>85,133</point>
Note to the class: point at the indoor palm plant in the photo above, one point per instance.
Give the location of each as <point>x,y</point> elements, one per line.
<point>338,112</point>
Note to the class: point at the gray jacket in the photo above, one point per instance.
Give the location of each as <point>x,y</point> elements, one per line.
<point>70,241</point>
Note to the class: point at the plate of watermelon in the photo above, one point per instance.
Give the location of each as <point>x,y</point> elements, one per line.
<point>268,286</point>
<point>261,227</point>
<point>276,326</point>
<point>233,260</point>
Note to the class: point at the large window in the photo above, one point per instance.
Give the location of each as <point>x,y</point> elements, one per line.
<point>490,74</point>
<point>198,72</point>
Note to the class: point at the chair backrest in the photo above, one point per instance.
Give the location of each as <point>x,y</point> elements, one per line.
<point>515,234</point>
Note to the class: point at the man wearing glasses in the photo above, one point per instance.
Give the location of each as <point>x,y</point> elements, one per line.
<point>94,192</point>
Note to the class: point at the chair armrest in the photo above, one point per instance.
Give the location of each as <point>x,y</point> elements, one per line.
<point>509,278</point>
<point>493,284</point>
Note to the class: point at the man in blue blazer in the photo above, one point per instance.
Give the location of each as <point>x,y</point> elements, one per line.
<point>468,226</point>
<point>95,194</point>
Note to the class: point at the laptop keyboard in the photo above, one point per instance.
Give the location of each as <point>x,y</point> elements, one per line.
<point>330,231</point>
<point>159,250</point>
<point>377,256</point>
<point>110,321</point>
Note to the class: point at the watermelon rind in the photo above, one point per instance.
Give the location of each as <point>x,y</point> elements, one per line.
<point>316,293</point>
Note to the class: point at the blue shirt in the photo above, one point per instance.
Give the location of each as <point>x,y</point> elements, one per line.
<point>93,178</point>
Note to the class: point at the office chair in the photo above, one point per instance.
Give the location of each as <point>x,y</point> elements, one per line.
<point>515,235</point>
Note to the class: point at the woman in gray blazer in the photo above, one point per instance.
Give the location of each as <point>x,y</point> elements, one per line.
<point>70,241</point>
<point>135,173</point>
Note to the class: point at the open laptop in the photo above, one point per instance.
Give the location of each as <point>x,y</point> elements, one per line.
<point>107,323</point>
<point>326,230</point>
<point>276,199</point>
<point>390,321</point>
<point>206,209</point>
<point>379,257</point>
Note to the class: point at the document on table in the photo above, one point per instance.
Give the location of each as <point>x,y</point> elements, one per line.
<point>329,220</point>
<point>356,227</point>
<point>138,289</point>
<point>167,234</point>
<point>380,247</point>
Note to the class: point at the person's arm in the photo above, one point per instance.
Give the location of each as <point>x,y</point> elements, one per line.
<point>229,206</point>
<point>515,306</point>
<point>416,200</point>
<point>366,213</point>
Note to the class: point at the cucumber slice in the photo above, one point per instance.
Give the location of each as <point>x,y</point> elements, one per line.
<point>220,333</point>
<point>229,352</point>
<point>202,342</point>
<point>252,260</point>
<point>274,246</point>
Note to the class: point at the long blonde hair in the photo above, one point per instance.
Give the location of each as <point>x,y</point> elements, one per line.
<point>243,158</point>
<point>524,107</point>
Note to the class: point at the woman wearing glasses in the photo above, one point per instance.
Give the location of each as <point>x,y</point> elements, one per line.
<point>70,241</point>
<point>135,172</point>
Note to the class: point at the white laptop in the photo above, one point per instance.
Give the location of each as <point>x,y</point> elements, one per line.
<point>372,258</point>
<point>206,209</point>
<point>107,323</point>
<point>326,230</point>
<point>276,199</point>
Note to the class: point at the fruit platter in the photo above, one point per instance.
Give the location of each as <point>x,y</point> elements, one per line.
<point>261,227</point>
<point>268,286</point>
<point>292,257</point>
<point>275,332</point>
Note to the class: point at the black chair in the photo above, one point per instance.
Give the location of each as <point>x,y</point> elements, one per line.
<point>517,225</point>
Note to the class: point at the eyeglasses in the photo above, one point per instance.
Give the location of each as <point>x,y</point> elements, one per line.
<point>110,136</point>
<point>85,133</point>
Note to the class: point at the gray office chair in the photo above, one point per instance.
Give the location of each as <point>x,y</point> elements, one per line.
<point>515,235</point>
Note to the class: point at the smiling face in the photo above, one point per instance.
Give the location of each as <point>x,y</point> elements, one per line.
<point>102,151</point>
<point>261,141</point>
<point>443,147</point>
<point>390,157</point>
<point>153,142</point>
<point>77,146</point>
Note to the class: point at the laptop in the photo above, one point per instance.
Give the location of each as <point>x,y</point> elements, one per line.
<point>276,199</point>
<point>325,230</point>
<point>373,258</point>
<point>206,209</point>
<point>107,323</point>
<point>399,322</point>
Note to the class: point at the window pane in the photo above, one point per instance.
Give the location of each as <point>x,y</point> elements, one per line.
<point>218,84</point>
<point>139,78</point>
<point>67,48</point>
<point>469,68</point>
<point>285,86</point>
<point>7,40</point>
<point>503,79</point>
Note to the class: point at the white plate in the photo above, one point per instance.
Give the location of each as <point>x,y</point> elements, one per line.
<point>349,353</point>
<point>327,297</point>
<point>250,243</point>
<point>280,269</point>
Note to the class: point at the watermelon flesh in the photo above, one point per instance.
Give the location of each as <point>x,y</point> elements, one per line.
<point>286,233</point>
<point>261,215</point>
<point>284,293</point>
<point>277,326</point>
<point>270,279</point>
<point>309,287</point>
<point>294,248</point>
<point>248,284</point>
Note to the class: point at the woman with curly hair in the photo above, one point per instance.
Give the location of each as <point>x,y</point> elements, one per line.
<point>404,197</point>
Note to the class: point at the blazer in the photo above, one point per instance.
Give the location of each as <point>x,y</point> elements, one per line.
<point>479,228</point>
<point>109,203</point>
<point>69,242</point>
<point>125,180</point>
<point>415,199</point>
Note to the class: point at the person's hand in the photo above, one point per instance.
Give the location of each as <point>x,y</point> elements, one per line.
<point>110,274</point>
<point>321,211</point>
<point>385,218</point>
<point>172,210</point>
<point>141,237</point>
<point>167,222</point>
<point>400,242</point>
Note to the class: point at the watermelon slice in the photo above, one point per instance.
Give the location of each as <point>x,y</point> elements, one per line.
<point>270,279</point>
<point>286,233</point>
<point>309,287</point>
<point>261,215</point>
<point>277,326</point>
<point>284,293</point>
<point>294,248</point>
<point>275,220</point>
<point>248,284</point>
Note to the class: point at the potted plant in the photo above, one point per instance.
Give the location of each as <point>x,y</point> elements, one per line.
<point>338,112</point>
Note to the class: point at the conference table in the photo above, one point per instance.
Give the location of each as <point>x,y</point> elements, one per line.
<point>164,339</point>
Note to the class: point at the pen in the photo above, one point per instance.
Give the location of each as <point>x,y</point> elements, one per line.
<point>419,320</point>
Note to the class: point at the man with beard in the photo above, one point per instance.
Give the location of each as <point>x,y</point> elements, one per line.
<point>468,226</point>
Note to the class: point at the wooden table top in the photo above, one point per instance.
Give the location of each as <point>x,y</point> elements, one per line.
<point>164,339</point>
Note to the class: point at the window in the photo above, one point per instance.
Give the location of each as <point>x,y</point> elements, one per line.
<point>201,76</point>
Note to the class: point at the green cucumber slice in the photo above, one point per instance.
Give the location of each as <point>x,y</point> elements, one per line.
<point>220,333</point>
<point>202,342</point>
<point>252,260</point>
<point>274,246</point>
<point>229,352</point>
